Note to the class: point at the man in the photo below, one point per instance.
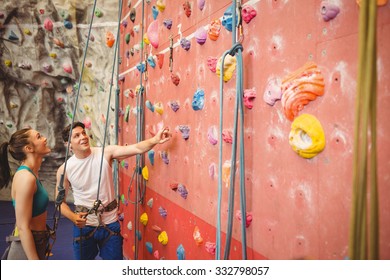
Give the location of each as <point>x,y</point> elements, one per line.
<point>95,219</point>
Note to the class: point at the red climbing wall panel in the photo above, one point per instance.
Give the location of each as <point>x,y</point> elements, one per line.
<point>300,207</point>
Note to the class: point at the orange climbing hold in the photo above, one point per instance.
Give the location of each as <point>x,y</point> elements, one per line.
<point>214,29</point>
<point>301,87</point>
<point>110,39</point>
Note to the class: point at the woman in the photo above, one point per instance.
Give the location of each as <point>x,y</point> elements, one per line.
<point>29,197</point>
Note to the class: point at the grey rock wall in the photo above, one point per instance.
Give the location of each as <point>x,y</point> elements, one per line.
<point>42,46</point>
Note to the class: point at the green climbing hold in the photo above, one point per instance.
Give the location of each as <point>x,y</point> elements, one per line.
<point>127,38</point>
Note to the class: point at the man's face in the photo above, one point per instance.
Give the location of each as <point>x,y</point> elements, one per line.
<point>79,140</point>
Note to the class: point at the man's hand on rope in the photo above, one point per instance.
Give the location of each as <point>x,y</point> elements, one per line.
<point>80,219</point>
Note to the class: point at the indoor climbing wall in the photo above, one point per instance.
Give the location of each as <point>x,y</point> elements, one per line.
<point>299,81</point>
<point>42,46</point>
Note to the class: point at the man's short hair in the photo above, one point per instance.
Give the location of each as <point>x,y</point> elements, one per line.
<point>65,132</point>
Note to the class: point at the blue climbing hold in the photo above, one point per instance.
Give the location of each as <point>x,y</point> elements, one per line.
<point>198,100</point>
<point>151,157</point>
<point>180,253</point>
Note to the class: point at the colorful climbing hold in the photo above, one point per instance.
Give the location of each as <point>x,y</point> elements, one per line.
<point>214,29</point>
<point>163,212</point>
<point>212,63</point>
<point>48,24</point>
<point>161,5</point>
<point>273,91</point>
<point>145,173</point>
<point>153,34</point>
<point>127,38</point>
<point>174,105</point>
<point>198,100</point>
<point>151,156</point>
<point>150,203</point>
<point>98,13</point>
<point>249,96</point>
<point>185,44</point>
<point>182,190</point>
<point>144,219</point>
<point>149,105</point>
<point>210,247</point>
<point>212,135</point>
<point>201,35</point>
<point>185,130</point>
<point>68,24</point>
<point>163,238</point>
<point>197,236</point>
<point>248,218</point>
<point>229,67</point>
<point>307,137</point>
<point>329,10</point>
<point>149,247</point>
<point>164,157</point>
<point>110,39</point>
<point>180,252</point>
<point>67,68</point>
<point>175,79</point>
<point>159,108</point>
<point>154,12</point>
<point>160,59</point>
<point>151,61</point>
<point>201,4</point>
<point>248,13</point>
<point>132,15</point>
<point>187,8</point>
<point>300,87</point>
<point>167,23</point>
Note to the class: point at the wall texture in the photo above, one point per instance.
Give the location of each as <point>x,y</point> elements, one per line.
<point>300,208</point>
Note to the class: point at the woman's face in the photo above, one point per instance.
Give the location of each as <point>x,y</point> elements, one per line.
<point>39,143</point>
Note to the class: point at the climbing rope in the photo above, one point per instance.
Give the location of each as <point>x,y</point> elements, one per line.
<point>365,136</point>
<point>236,50</point>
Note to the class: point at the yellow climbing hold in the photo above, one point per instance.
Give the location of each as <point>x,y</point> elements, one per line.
<point>229,67</point>
<point>159,108</point>
<point>53,55</point>
<point>161,5</point>
<point>27,31</point>
<point>307,138</point>
<point>163,238</point>
<point>145,173</point>
<point>144,219</point>
<point>146,39</point>
<point>8,63</point>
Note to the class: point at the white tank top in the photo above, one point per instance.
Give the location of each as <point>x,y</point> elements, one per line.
<point>83,175</point>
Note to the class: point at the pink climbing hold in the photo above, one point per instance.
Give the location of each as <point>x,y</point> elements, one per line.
<point>153,34</point>
<point>212,135</point>
<point>201,35</point>
<point>227,136</point>
<point>248,218</point>
<point>67,68</point>
<point>201,4</point>
<point>273,91</point>
<point>210,247</point>
<point>48,24</point>
<point>248,13</point>
<point>249,95</point>
<point>175,79</point>
<point>212,63</point>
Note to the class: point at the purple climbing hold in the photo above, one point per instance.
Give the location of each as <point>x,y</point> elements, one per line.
<point>174,105</point>
<point>182,190</point>
<point>329,11</point>
<point>185,131</point>
<point>164,157</point>
<point>185,44</point>
<point>201,35</point>
<point>163,212</point>
<point>167,23</point>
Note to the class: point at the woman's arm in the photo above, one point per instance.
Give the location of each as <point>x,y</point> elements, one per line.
<point>24,186</point>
